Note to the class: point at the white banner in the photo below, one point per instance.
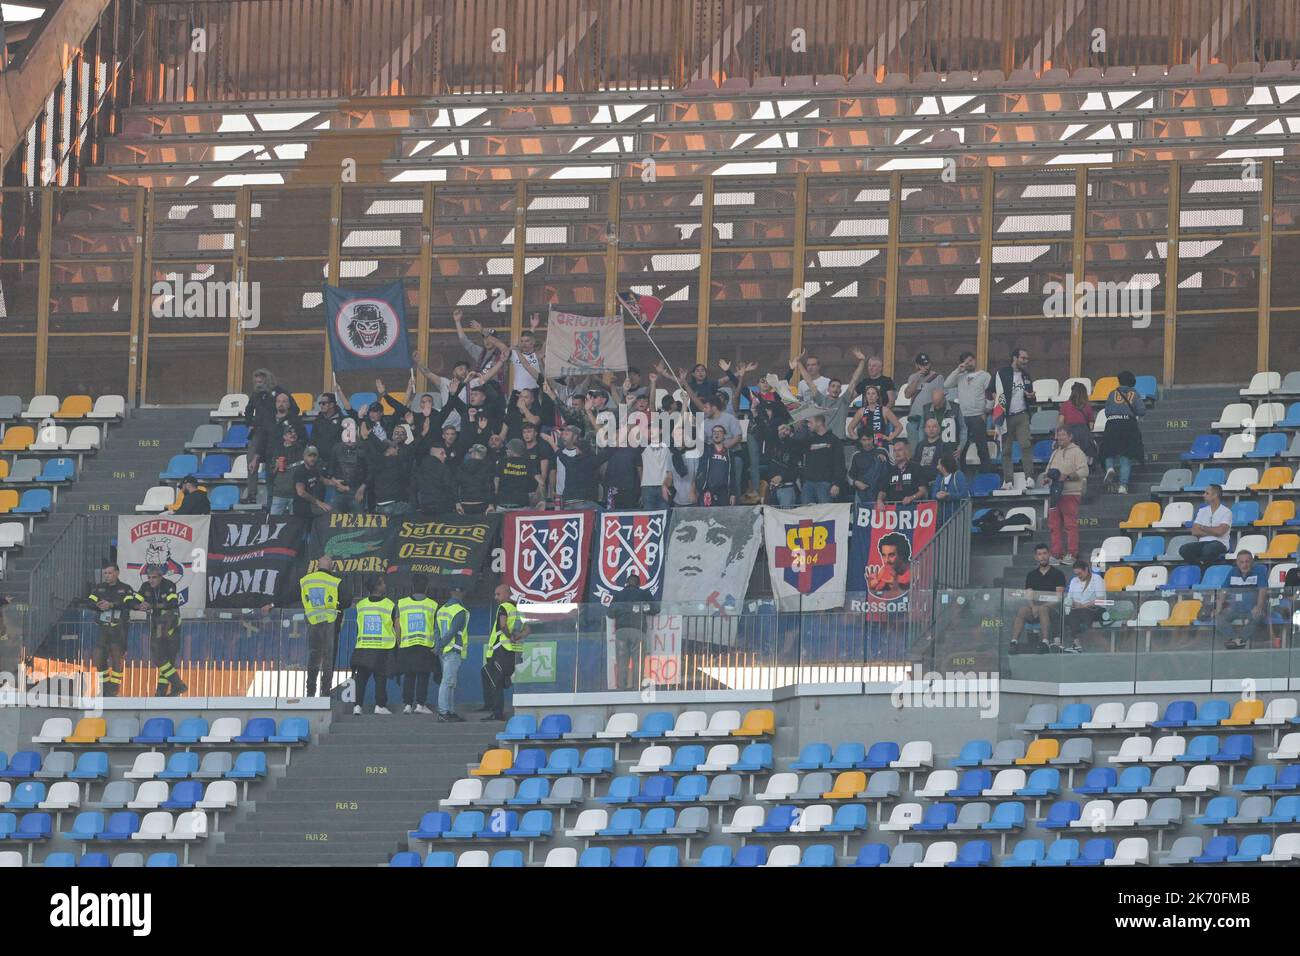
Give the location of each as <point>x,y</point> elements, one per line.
<point>662,664</point>
<point>584,344</point>
<point>177,546</point>
<point>808,555</point>
<point>711,553</point>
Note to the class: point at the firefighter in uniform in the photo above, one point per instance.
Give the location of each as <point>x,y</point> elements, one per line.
<point>160,598</point>
<point>114,599</point>
<point>416,656</point>
<point>453,640</point>
<point>376,639</point>
<point>501,653</point>
<point>323,602</point>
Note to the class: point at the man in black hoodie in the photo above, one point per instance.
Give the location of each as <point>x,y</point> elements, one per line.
<point>345,472</point>
<point>388,466</point>
<point>433,487</point>
<point>579,467</point>
<point>260,414</point>
<point>821,474</point>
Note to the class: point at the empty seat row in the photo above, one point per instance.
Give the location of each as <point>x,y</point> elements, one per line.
<point>1177,714</point>
<point>1181,480</point>
<point>123,795</point>
<point>104,408</point>
<point>20,438</point>
<point>160,731</point>
<point>94,765</point>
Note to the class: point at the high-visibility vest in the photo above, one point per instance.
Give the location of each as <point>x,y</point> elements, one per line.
<point>375,624</point>
<point>416,618</point>
<point>500,638</point>
<point>320,597</point>
<point>453,640</point>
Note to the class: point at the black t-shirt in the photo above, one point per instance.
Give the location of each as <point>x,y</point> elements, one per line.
<point>311,478</point>
<point>516,482</point>
<point>1292,579</point>
<point>882,382</point>
<point>1048,580</point>
<point>903,481</point>
<point>928,453</point>
<point>536,455</point>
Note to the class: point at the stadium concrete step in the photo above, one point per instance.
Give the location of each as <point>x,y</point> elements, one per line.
<point>351,798</point>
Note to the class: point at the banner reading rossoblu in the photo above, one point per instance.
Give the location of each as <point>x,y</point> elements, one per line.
<point>880,554</point>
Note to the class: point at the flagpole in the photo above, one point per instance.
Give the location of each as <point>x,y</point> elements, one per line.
<point>653,344</point>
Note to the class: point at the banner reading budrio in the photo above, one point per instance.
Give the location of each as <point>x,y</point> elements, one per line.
<point>880,560</point>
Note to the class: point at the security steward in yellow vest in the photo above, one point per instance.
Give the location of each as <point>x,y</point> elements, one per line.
<point>453,646</point>
<point>114,599</point>
<point>502,653</point>
<point>376,643</point>
<point>417,655</point>
<point>160,598</point>
<point>323,602</point>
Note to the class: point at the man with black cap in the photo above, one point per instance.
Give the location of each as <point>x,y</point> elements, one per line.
<point>917,392</point>
<point>453,648</point>
<point>309,485</point>
<point>196,500</point>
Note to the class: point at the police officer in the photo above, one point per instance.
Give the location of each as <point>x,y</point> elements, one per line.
<point>323,601</point>
<point>416,656</point>
<point>160,598</point>
<point>453,640</point>
<point>114,599</point>
<point>501,654</point>
<point>376,639</point>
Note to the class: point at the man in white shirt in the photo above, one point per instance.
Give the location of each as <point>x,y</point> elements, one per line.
<point>813,366</point>
<point>1083,601</point>
<point>1211,527</point>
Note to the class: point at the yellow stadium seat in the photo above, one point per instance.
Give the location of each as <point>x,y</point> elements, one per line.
<point>757,723</point>
<point>18,438</point>
<point>1118,578</point>
<point>1183,614</point>
<point>306,404</point>
<point>1101,391</point>
<point>1244,712</point>
<point>1279,476</point>
<point>8,500</point>
<point>848,785</point>
<point>4,468</point>
<point>88,731</point>
<point>1040,751</point>
<point>1282,546</point>
<point>493,763</point>
<point>75,406</point>
<point>1276,514</point>
<point>1142,515</point>
<point>388,408</point>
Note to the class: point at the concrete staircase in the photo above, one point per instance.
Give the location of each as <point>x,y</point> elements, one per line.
<point>350,799</point>
<point>111,482</point>
<point>1167,432</point>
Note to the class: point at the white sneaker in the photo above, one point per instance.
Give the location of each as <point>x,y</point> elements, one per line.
<point>383,711</point>
<point>1123,489</point>
<point>421,709</point>
<point>1008,486</point>
<point>1110,476</point>
<point>1068,559</point>
<point>406,709</point>
<point>357,710</point>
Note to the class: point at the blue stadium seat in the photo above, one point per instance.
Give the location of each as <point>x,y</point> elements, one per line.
<point>1237,748</point>
<point>985,484</point>
<point>1217,850</point>
<point>1146,387</point>
<point>1148,547</point>
<point>184,795</point>
<point>191,729</point>
<point>33,827</point>
<point>1025,853</point>
<point>621,790</point>
<point>849,818</point>
<point>974,853</point>
<point>1006,816</point>
<point>812,757</point>
<point>22,765</point>
<point>293,730</point>
<point>819,854</point>
<point>754,854</point>
<point>973,753</point>
<point>236,438</point>
<point>1203,448</point>
<point>755,758</point>
<point>1184,577</point>
<point>26,796</point>
<point>1206,477</point>
<point>1217,812</point>
<point>1199,749</point>
<point>595,856</point>
<point>536,825</point>
<point>685,759</point>
<point>531,792</point>
<point>518,727</point>
<point>213,468</point>
<point>180,766</point>
<point>1292,419</point>
<point>629,857</point>
<point>1043,451</point>
<point>35,501</point>
<point>1257,779</point>
<point>1095,852</point>
<point>1043,782</point>
<point>714,856</point>
<point>1269,445</point>
<point>1060,815</point>
<point>689,788</point>
<point>654,789</point>
<point>499,825</point>
<point>656,822</point>
<point>60,860</point>
<point>258,730</point>
<point>440,859</point>
<point>1285,811</point>
<point>937,817</point>
<point>155,731</point>
<point>162,859</point>
<point>779,819</point>
<point>96,860</point>
<point>972,784</point>
<point>1131,781</point>
<point>179,467</point>
<point>1060,853</point>
<point>224,498</point>
<point>121,825</point>
<point>663,857</point>
<point>1177,714</point>
<point>1212,712</point>
<point>1245,514</point>
<point>508,858</point>
<point>655,724</point>
<point>553,727</point>
<point>432,826</point>
<point>465,825</point>
<point>1098,781</point>
<point>58,470</point>
<point>404,859</point>
<point>527,761</point>
<point>249,765</point>
<point>1252,848</point>
<point>622,822</point>
<point>562,762</point>
<point>847,756</point>
<point>84,826</point>
<point>872,854</point>
<point>596,761</point>
<point>880,756</point>
<point>1072,717</point>
<point>1288,778</point>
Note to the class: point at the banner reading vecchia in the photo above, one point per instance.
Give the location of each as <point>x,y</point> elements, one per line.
<point>584,344</point>
<point>880,556</point>
<point>547,554</point>
<point>176,546</point>
<point>367,329</point>
<point>808,555</point>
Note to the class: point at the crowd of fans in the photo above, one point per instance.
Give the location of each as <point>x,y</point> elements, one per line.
<point>497,433</point>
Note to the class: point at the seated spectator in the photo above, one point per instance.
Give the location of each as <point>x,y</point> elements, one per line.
<point>1121,443</point>
<point>906,481</point>
<point>1043,579</point>
<point>196,500</point>
<point>932,447</point>
<point>1083,603</point>
<point>1211,527</point>
<point>475,482</point>
<point>821,472</point>
<point>1244,603</point>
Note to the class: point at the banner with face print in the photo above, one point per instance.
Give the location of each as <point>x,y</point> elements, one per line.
<point>547,554</point>
<point>178,547</point>
<point>808,555</point>
<point>880,557</point>
<point>367,329</point>
<point>711,554</point>
<point>629,542</point>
